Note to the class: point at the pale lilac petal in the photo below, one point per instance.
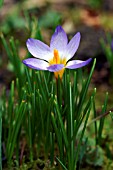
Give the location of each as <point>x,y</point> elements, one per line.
<point>55,67</point>
<point>59,40</point>
<point>77,63</point>
<point>38,49</point>
<point>36,63</point>
<point>72,46</point>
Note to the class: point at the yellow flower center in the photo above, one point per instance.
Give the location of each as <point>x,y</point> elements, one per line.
<point>57,60</point>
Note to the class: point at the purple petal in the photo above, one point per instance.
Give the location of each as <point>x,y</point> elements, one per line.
<point>38,49</point>
<point>36,63</point>
<point>59,39</point>
<point>112,45</point>
<point>77,63</point>
<point>55,67</point>
<point>72,46</point>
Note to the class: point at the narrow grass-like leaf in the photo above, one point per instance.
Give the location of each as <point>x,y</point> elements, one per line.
<point>71,161</point>
<point>15,129</point>
<point>85,89</point>
<point>81,137</point>
<point>8,51</point>
<point>79,126</point>
<point>30,137</point>
<point>16,61</point>
<point>95,123</point>
<point>52,145</point>
<point>101,125</point>
<point>41,87</point>
<point>61,124</point>
<point>57,136</point>
<point>29,81</point>
<point>10,110</point>
<point>61,164</point>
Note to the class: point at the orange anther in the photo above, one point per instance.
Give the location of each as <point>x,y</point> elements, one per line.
<point>57,60</point>
<point>56,57</point>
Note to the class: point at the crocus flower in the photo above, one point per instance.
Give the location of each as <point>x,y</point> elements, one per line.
<point>56,57</point>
